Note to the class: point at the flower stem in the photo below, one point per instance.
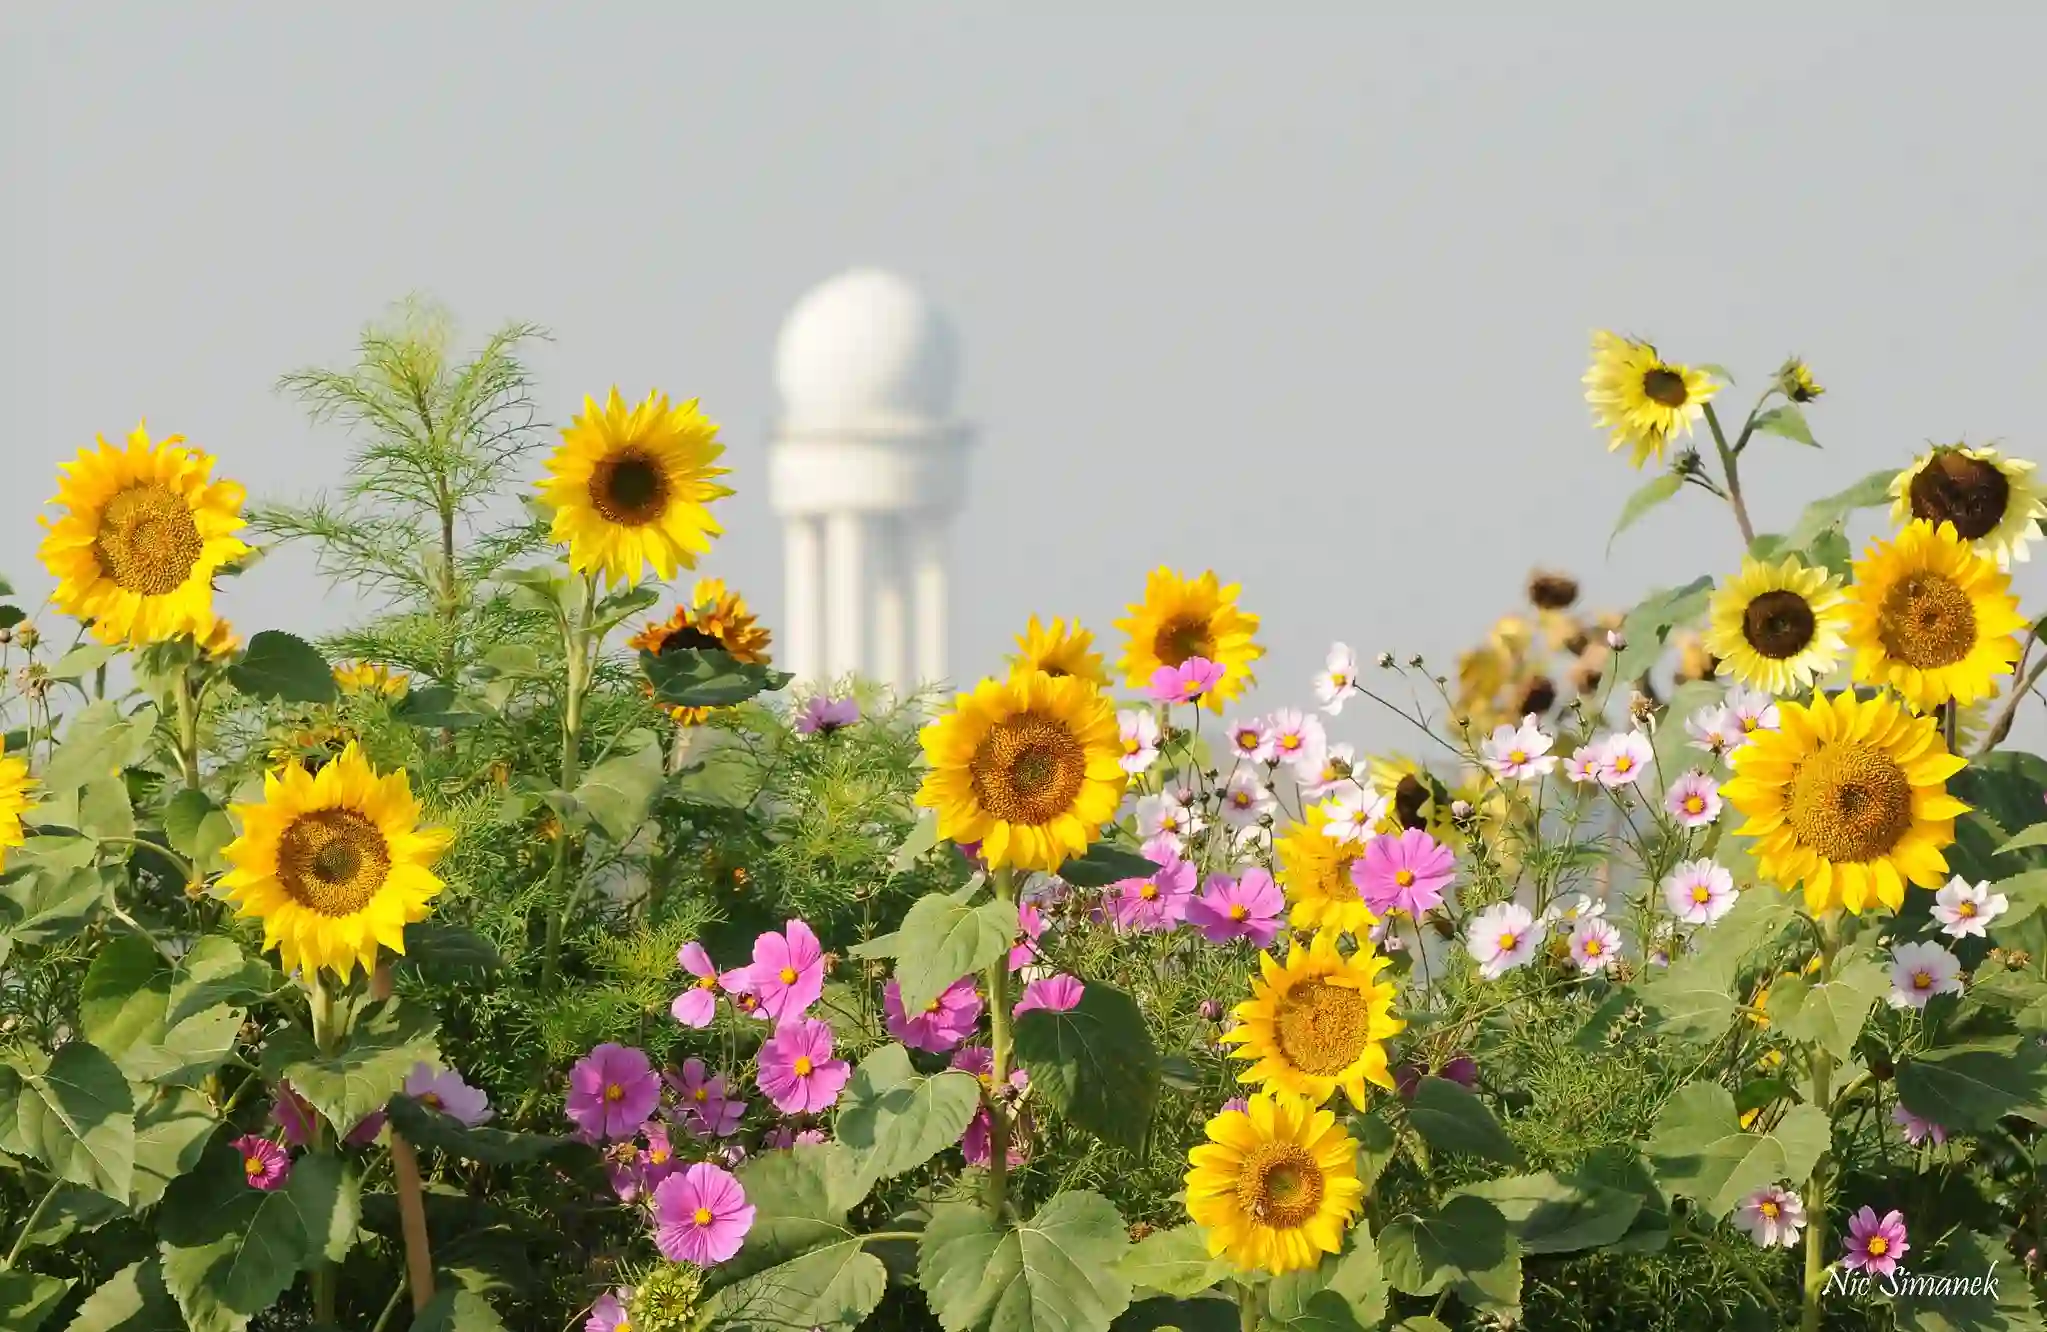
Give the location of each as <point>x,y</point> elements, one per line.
<point>998,1072</point>
<point>1732,469</point>
<point>326,1041</point>
<point>1816,1193</point>
<point>188,731</point>
<point>29,1227</point>
<point>419,1262</point>
<point>1247,1307</point>
<point>576,640</point>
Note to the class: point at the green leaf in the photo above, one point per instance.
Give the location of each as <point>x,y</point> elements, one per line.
<point>706,678</point>
<point>324,1190</point>
<point>836,1285</point>
<point>616,793</point>
<point>621,606</point>
<point>198,829</point>
<point>82,660</point>
<point>215,971</point>
<point>39,906</point>
<point>457,1311</point>
<point>942,940</point>
<point>1970,1087</point>
<point>1648,625</point>
<point>1789,422</point>
<point>424,1127</point>
<point>170,1138</point>
<point>1871,491</point>
<point>1377,1144</point>
<point>1701,1151</point>
<point>1173,1262</point>
<point>1977,1287</point>
<point>443,953</point>
<point>1830,1014</point>
<point>1094,1063</point>
<point>2033,836</point>
<point>922,837</point>
<point>75,1113</point>
<point>1345,1293</point>
<point>134,1299</point>
<point>229,1250</point>
<point>124,1008</point>
<point>1694,997</point>
<point>284,668</point>
<point>104,809</point>
<point>1719,372</point>
<point>1054,1273</point>
<point>365,1072</point>
<point>1658,491</point>
<point>70,1211</point>
<point>1161,1313</point>
<point>1550,1214</point>
<point>434,708</point>
<point>1464,1246</point>
<point>800,1198</point>
<point>1617,1167</point>
<point>1105,864</point>
<point>99,742</point>
<point>27,1298</point>
<point>896,1119</point>
<point>1452,1119</point>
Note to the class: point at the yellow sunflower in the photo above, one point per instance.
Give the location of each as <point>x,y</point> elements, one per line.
<point>632,487</point>
<point>362,677</point>
<point>1849,799</point>
<point>1318,1023</point>
<point>333,864</point>
<point>1778,627</point>
<point>14,801</point>
<point>1416,798</point>
<point>1642,399</point>
<point>1314,872</point>
<point>1030,767</point>
<point>1931,618</point>
<point>1994,502</point>
<point>1180,619</point>
<point>1275,1186</point>
<point>1059,650</point>
<point>142,535</point>
<point>716,618</point>
<point>1795,381</point>
<point>220,643</point>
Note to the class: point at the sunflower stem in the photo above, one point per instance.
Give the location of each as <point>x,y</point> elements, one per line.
<point>419,1262</point>
<point>998,1070</point>
<point>576,639</point>
<point>1816,1193</point>
<point>1732,469</point>
<point>188,731</point>
<point>326,1041</point>
<point>1247,1307</point>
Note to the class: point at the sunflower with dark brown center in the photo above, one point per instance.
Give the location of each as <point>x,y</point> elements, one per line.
<point>1777,627</point>
<point>1318,1022</point>
<point>716,619</point>
<point>1059,649</point>
<point>1994,502</point>
<point>1275,1186</point>
<point>1180,619</point>
<point>1932,619</point>
<point>1642,399</point>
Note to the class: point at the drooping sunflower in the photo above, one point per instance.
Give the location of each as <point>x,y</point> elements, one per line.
<point>1995,503</point>
<point>334,864</point>
<point>1644,400</point>
<point>1415,798</point>
<point>1318,1023</point>
<point>1180,619</point>
<point>362,677</point>
<point>1314,873</point>
<point>716,618</point>
<point>1778,627</point>
<point>142,536</point>
<point>1847,798</point>
<point>1058,649</point>
<point>15,784</point>
<point>1030,767</point>
<point>1275,1186</point>
<point>1931,618</point>
<point>633,486</point>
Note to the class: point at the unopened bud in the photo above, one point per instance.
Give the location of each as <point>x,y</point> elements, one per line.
<point>1415,661</point>
<point>1385,661</point>
<point>1210,1010</point>
<point>1641,708</point>
<point>1616,640</point>
<point>26,635</point>
<point>1460,809</point>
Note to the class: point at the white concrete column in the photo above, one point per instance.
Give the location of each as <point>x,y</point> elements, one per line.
<point>803,597</point>
<point>892,649</point>
<point>925,549</point>
<point>845,588</point>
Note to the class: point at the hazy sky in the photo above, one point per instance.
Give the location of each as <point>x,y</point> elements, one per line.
<point>1303,298</point>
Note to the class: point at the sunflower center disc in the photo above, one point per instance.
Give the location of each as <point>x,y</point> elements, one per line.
<point>629,488</point>
<point>1409,797</point>
<point>692,639</point>
<point>1321,1028</point>
<point>1968,492</point>
<point>1028,769</point>
<point>1280,1185</point>
<point>332,861</point>
<point>1664,387</point>
<point>147,541</point>
<point>1927,621</point>
<point>1850,803</point>
<point>1778,624</point>
<point>1183,637</point>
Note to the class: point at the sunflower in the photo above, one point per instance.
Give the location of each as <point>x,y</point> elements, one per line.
<point>1059,650</point>
<point>142,535</point>
<point>1180,619</point>
<point>14,801</point>
<point>716,618</point>
<point>1314,872</point>
<point>1416,798</point>
<point>362,677</point>
<point>1795,381</point>
<point>1778,627</point>
<point>1275,1186</point>
<point>1318,1022</point>
<point>221,642</point>
<point>1643,399</point>
<point>632,487</point>
<point>1994,502</point>
<point>1849,799</point>
<point>1030,767</point>
<point>333,864</point>
<point>1932,619</point>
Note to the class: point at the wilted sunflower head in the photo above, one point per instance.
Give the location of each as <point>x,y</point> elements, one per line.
<point>716,620</point>
<point>1549,590</point>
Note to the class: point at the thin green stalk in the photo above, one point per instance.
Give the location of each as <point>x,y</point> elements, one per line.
<point>1816,1195</point>
<point>188,731</point>
<point>998,1028</point>
<point>327,1041</point>
<point>1247,1307</point>
<point>29,1228</point>
<point>576,638</point>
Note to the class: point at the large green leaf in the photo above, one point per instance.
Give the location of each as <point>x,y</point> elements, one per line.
<point>1971,1087</point>
<point>197,828</point>
<point>434,708</point>
<point>29,1298</point>
<point>836,1285</point>
<point>1104,864</point>
<point>124,1006</point>
<point>1648,625</point>
<point>1701,1151</point>
<point>70,1210</point>
<point>1054,1273</point>
<point>1829,1014</point>
<point>134,1299</point>
<point>1977,1287</point>
<point>443,953</point>
<point>1094,1063</point>
<point>457,1311</point>
<point>229,1250</point>
<point>1451,1118</point>
<point>170,1138</point>
<point>1162,1313</point>
<point>942,940</point>
<point>98,743</point>
<point>895,1119</point>
<point>324,1191</point>
<point>1655,492</point>
<point>616,793</point>
<point>1871,491</point>
<point>1551,1214</point>
<point>800,1198</point>
<point>284,668</point>
<point>1694,997</point>
<point>1789,422</point>
<point>356,1080</point>
<point>706,678</point>
<point>1173,1262</point>
<point>74,1112</point>
<point>1464,1246</point>
<point>1344,1293</point>
<point>43,904</point>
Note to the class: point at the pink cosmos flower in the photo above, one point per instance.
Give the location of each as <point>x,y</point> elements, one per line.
<point>1030,924</point>
<point>822,715</point>
<point>1139,732</point>
<point>293,1114</point>
<point>1772,1217</point>
<point>622,1162</point>
<point>1298,740</point>
<point>1190,681</point>
<point>739,983</point>
<point>1583,765</point>
<point>1333,773</point>
<point>657,1157</point>
<point>1338,678</point>
<point>1595,945</point>
<point>696,1006</point>
<point>787,971</point>
<point>1353,812</point>
<point>1251,740</point>
<point>1749,711</point>
<point>1699,892</point>
<point>701,1216</point>
<point>1236,1105</point>
<point>1713,729</point>
<point>1242,906</point>
<point>1918,1130</point>
<point>1246,800</point>
<point>1624,758</point>
<point>941,1024</point>
<point>1055,994</point>
<point>1517,753</point>
<point>365,1133</point>
<point>608,1313</point>
<point>1693,800</point>
<point>797,1070</point>
<point>444,1090</point>
<point>1156,902</point>
<point>1875,1245</point>
<point>977,1143</point>
<point>1405,873</point>
<point>264,1164</point>
<point>704,1106</point>
<point>612,1090</point>
<point>1919,971</point>
<point>1501,938</point>
<point>1965,909</point>
<point>783,1137</point>
<point>1167,816</point>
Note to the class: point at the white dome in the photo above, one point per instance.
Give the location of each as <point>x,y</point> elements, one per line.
<point>866,347</point>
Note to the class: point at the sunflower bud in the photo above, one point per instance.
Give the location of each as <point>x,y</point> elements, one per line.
<point>26,636</point>
<point>1795,381</point>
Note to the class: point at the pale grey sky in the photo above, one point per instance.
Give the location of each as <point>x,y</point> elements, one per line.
<point>1301,297</point>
